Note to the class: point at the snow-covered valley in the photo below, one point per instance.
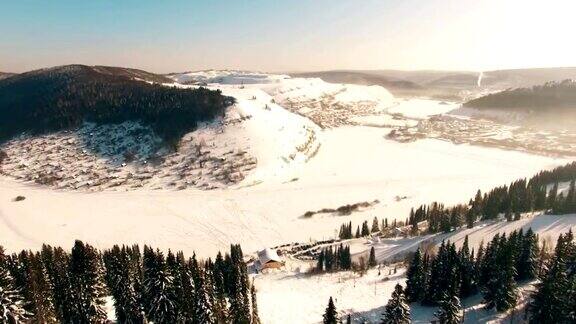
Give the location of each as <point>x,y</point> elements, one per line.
<point>287,147</point>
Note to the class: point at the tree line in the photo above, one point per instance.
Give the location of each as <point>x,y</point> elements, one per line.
<point>56,286</point>
<point>345,232</point>
<point>511,200</point>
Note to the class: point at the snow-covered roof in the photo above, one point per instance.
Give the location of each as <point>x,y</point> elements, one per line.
<point>268,255</point>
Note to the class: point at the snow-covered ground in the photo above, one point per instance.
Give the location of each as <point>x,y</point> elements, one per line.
<point>293,296</point>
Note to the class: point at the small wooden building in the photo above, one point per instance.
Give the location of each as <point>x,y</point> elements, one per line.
<point>269,259</point>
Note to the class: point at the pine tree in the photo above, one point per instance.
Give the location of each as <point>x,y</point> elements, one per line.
<point>185,294</point>
<point>397,310</point>
<point>470,218</point>
<point>121,283</point>
<point>552,196</point>
<point>57,264</point>
<point>372,259</point>
<point>330,315</point>
<point>375,227</point>
<point>38,291</point>
<point>357,232</point>
<point>365,229</point>
<point>450,311</point>
<point>204,300</point>
<point>549,301</point>
<point>500,287</point>
<point>11,300</point>
<point>468,279</point>
<point>239,303</point>
<point>158,289</point>
<point>255,317</point>
<point>527,264</point>
<point>416,278</point>
<point>87,284</point>
<point>320,263</point>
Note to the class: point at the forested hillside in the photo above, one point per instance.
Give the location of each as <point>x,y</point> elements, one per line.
<point>65,97</point>
<point>550,97</point>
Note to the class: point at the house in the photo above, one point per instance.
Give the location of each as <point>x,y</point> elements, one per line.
<point>269,259</point>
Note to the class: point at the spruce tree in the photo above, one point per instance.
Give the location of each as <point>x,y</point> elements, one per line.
<point>365,229</point>
<point>416,279</point>
<point>87,284</point>
<point>11,300</point>
<point>527,264</point>
<point>57,264</point>
<point>450,311</point>
<point>549,303</point>
<point>121,284</point>
<point>158,288</point>
<point>375,227</point>
<point>320,263</point>
<point>468,285</point>
<point>397,310</point>
<point>204,300</point>
<point>330,314</point>
<point>39,291</point>
<point>255,317</point>
<point>239,303</point>
<point>372,259</point>
<point>500,288</point>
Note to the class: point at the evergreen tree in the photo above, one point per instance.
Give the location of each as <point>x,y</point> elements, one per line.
<point>375,227</point>
<point>365,229</point>
<point>500,288</point>
<point>416,278</point>
<point>450,311</point>
<point>549,302</point>
<point>239,305</point>
<point>204,302</point>
<point>527,264</point>
<point>255,317</point>
<point>468,285</point>
<point>552,196</point>
<point>87,284</point>
<point>121,283</point>
<point>330,315</point>
<point>158,288</point>
<point>321,260</point>
<point>57,262</point>
<point>470,218</point>
<point>11,300</point>
<point>38,291</point>
<point>372,259</point>
<point>397,310</point>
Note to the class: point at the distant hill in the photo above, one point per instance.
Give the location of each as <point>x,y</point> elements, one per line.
<point>450,85</point>
<point>4,75</point>
<point>550,97</point>
<point>359,77</point>
<point>524,78</point>
<point>66,96</point>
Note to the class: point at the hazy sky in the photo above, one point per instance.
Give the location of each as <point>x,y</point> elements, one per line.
<point>288,35</point>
